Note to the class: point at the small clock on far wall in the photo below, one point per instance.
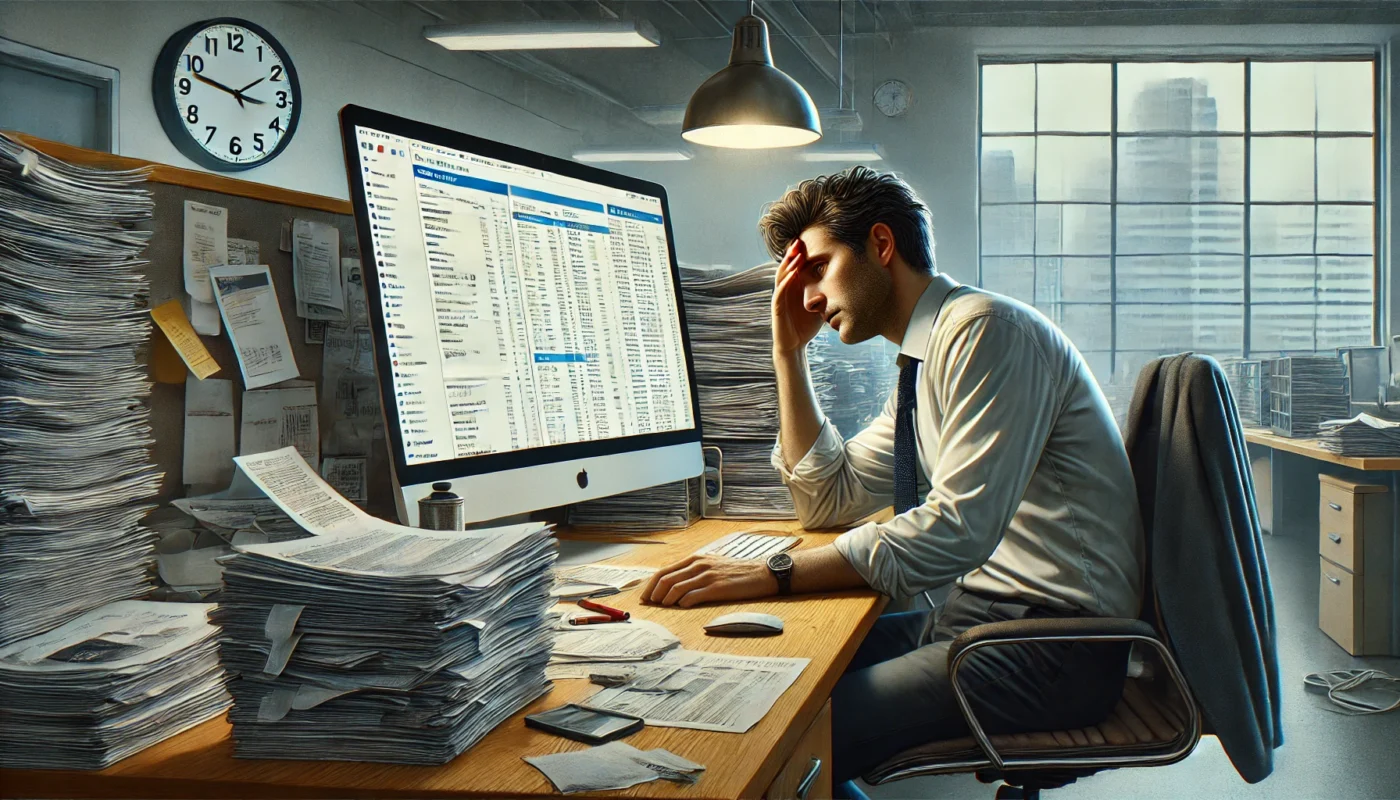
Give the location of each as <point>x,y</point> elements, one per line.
<point>226,94</point>
<point>892,98</point>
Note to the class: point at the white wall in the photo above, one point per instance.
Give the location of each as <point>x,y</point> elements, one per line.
<point>343,54</point>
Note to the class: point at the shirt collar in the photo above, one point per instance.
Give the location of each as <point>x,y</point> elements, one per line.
<point>916,336</point>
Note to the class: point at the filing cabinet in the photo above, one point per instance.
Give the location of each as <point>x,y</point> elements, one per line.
<point>1354,547</point>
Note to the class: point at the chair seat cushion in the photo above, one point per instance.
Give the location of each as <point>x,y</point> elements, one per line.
<point>1141,726</point>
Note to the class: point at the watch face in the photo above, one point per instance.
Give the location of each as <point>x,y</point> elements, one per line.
<point>226,94</point>
<point>780,562</point>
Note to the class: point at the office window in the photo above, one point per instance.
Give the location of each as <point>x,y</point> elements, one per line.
<point>1225,207</point>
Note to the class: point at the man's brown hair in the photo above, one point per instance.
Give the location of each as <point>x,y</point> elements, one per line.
<point>846,205</point>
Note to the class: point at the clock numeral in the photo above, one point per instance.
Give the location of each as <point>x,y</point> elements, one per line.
<point>281,99</point>
<point>235,147</point>
<point>235,42</point>
<point>211,129</point>
<point>275,125</point>
<point>258,142</point>
<point>211,45</point>
<point>276,72</point>
<point>194,63</point>
<point>259,54</point>
<point>184,85</point>
<point>192,113</point>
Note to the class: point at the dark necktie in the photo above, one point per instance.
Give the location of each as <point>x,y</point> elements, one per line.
<point>906,465</point>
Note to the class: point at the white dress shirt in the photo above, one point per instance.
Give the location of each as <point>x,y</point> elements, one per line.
<point>1027,489</point>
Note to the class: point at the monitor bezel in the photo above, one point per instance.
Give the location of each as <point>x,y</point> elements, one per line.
<point>352,116</point>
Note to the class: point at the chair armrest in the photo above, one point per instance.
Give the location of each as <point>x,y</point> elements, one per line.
<point>1050,628</point>
<point>1016,631</point>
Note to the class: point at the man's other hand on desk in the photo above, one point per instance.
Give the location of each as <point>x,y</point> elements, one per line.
<point>709,579</point>
<point>714,579</point>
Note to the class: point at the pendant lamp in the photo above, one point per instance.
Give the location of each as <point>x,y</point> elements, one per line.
<point>751,104</point>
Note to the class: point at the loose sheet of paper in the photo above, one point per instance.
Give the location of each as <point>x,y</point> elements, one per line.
<point>248,302</point>
<point>316,267</point>
<point>634,640</point>
<point>170,316</point>
<point>205,318</point>
<point>615,765</point>
<point>349,476</point>
<point>586,579</point>
<point>209,435</point>
<point>276,418</point>
<point>206,244</point>
<point>576,552</point>
<point>702,691</point>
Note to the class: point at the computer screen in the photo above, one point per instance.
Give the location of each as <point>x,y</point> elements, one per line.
<point>529,308</point>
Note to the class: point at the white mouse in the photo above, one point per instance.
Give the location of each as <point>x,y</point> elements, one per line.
<point>744,623</point>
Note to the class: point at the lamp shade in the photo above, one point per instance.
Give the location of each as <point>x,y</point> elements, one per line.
<point>751,104</point>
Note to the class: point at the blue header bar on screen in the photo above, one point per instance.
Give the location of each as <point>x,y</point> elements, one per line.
<point>559,223</point>
<point>627,213</point>
<point>455,179</point>
<point>561,358</point>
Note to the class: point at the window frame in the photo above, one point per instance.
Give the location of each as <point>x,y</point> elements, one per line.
<point>106,80</point>
<point>1245,56</point>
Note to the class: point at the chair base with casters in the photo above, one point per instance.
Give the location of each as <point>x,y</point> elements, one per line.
<point>1155,723</point>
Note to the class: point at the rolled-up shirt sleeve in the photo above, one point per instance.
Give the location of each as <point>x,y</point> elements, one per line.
<point>837,482</point>
<point>997,394</point>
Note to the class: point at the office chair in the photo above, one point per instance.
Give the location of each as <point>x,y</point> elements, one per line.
<point>1157,721</point>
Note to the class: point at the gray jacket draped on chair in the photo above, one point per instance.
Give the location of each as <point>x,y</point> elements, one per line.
<point>1211,598</point>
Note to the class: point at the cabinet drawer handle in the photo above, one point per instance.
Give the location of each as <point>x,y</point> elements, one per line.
<point>1335,537</point>
<point>809,779</point>
<point>1336,581</point>
<point>1334,506</point>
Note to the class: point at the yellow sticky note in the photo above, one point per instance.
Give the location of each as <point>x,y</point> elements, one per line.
<point>171,319</point>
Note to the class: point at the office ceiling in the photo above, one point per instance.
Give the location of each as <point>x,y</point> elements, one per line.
<point>696,33</point>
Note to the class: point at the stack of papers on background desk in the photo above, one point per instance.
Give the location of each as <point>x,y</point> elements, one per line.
<point>110,683</point>
<point>76,473</point>
<point>1362,436</point>
<point>375,642</point>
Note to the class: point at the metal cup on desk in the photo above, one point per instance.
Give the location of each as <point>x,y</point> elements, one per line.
<point>442,510</point>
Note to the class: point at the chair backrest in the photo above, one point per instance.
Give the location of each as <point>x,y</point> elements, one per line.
<point>1206,588</point>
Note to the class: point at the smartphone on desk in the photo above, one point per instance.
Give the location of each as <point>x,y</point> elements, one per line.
<point>585,724</point>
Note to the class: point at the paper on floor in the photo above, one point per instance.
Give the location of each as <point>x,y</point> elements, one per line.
<point>615,765</point>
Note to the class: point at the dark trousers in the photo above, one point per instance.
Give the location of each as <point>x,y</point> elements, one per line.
<point>896,692</point>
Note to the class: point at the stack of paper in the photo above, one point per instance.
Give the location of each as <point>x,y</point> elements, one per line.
<point>1362,436</point>
<point>1309,390</point>
<point>108,684</point>
<point>659,508</point>
<point>375,642</point>
<point>75,468</point>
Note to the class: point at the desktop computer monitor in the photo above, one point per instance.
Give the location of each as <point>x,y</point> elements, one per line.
<point>529,335</point>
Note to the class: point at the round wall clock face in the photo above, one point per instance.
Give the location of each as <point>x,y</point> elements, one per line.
<point>226,94</point>
<point>892,98</point>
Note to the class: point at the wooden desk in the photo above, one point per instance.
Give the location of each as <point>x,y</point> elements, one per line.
<point>1313,449</point>
<point>826,629</point>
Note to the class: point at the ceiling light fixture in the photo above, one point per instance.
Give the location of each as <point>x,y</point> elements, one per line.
<point>545,35</point>
<point>751,104</point>
<point>603,155</point>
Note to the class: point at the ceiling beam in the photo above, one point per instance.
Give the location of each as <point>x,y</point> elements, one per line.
<point>781,23</point>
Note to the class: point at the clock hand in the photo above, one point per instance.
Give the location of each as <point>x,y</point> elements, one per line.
<point>251,85</point>
<point>203,79</point>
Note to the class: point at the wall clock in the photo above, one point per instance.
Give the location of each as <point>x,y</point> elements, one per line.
<point>226,94</point>
<point>892,98</point>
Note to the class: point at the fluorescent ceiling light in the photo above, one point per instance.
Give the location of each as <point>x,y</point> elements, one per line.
<point>544,35</point>
<point>601,155</point>
<point>854,151</point>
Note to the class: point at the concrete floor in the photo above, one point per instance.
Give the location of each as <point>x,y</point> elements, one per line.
<point>1325,755</point>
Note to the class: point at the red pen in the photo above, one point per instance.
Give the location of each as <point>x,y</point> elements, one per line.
<point>594,619</point>
<point>614,613</point>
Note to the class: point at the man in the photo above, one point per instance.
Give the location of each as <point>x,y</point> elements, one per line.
<point>1000,454</point>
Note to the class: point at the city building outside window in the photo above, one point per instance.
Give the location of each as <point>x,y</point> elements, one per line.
<point>1226,207</point>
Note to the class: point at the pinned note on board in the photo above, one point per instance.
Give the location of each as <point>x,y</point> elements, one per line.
<point>170,318</point>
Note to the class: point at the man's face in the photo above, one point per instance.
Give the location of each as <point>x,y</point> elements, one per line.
<point>848,289</point>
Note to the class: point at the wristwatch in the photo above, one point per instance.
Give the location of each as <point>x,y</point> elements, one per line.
<point>780,564</point>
